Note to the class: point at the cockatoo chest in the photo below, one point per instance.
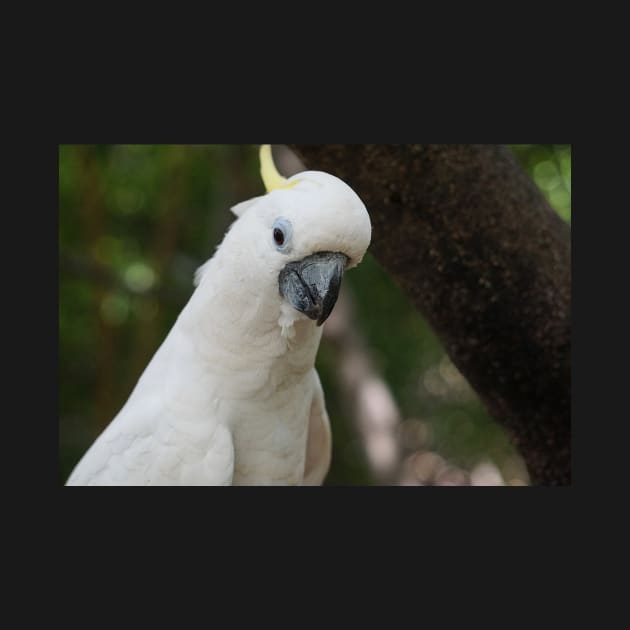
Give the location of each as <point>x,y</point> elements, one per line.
<point>270,436</point>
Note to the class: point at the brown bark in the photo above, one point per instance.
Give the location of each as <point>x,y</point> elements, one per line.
<point>477,248</point>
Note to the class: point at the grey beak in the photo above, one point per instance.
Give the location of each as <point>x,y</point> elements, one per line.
<point>312,285</point>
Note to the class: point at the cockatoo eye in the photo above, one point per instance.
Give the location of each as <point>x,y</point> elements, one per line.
<point>278,236</point>
<point>282,231</point>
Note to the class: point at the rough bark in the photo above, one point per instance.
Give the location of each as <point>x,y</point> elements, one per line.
<point>477,248</point>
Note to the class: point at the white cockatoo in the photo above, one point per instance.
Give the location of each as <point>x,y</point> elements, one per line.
<point>232,396</point>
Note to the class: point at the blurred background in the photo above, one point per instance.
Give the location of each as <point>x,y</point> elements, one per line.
<point>135,221</point>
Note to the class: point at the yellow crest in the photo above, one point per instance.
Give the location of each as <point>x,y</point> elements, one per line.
<point>269,173</point>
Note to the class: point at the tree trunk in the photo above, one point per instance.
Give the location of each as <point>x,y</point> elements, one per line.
<point>477,248</point>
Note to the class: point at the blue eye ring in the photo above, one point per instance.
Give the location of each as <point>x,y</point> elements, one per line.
<point>281,233</point>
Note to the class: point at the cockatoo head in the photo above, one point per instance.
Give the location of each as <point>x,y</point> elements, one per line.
<point>299,238</point>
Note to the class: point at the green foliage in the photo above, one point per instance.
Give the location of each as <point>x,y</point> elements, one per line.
<point>135,221</point>
<point>550,167</point>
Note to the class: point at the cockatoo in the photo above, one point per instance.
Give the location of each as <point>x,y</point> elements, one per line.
<point>232,397</point>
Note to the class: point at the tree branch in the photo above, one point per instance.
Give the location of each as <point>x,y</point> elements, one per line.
<point>477,248</point>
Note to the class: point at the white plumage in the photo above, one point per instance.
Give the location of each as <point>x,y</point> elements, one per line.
<point>232,397</point>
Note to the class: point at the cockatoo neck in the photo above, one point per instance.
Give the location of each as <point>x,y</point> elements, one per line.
<point>236,313</point>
